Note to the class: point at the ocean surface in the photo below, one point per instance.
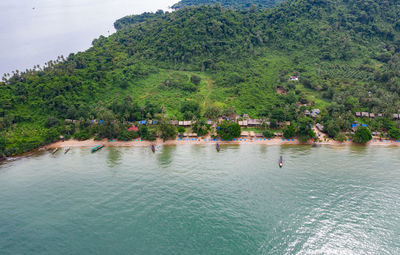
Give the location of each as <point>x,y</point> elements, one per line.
<point>192,200</point>
<point>35,31</point>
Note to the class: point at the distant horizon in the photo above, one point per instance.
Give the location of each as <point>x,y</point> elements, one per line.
<point>35,33</point>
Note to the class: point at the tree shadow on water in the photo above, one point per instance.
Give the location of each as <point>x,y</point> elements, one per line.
<point>113,157</point>
<point>165,155</point>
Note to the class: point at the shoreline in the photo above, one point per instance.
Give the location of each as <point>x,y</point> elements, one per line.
<point>209,141</point>
<point>197,141</point>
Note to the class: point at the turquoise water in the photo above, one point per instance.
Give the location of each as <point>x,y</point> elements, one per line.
<point>192,200</point>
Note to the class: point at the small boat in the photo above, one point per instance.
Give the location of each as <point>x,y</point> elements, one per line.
<point>153,148</point>
<point>55,150</point>
<point>67,150</point>
<point>98,147</point>
<point>217,147</point>
<point>281,162</point>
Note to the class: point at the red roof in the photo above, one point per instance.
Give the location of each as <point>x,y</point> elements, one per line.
<point>133,128</point>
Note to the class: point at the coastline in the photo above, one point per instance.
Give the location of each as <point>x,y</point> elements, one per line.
<point>209,141</point>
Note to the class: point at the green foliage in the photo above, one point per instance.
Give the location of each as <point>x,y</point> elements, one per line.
<point>181,130</point>
<point>394,133</point>
<point>201,127</point>
<point>212,112</point>
<point>167,131</point>
<point>289,132</point>
<point>195,79</point>
<point>208,58</point>
<point>190,109</point>
<point>362,135</point>
<point>241,4</point>
<point>3,143</point>
<point>340,137</point>
<point>82,135</point>
<point>125,135</point>
<point>228,130</point>
<point>268,134</point>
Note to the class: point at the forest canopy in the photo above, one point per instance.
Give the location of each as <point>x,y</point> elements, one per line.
<point>209,60</point>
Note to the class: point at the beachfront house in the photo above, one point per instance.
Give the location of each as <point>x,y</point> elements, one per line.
<point>280,134</point>
<point>244,134</point>
<point>315,113</point>
<point>243,123</point>
<point>396,116</point>
<point>380,115</point>
<point>358,114</point>
<point>372,115</point>
<point>365,114</point>
<point>307,113</point>
<point>254,122</point>
<point>259,135</point>
<point>320,127</point>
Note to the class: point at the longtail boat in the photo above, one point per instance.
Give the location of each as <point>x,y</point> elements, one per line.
<point>281,162</point>
<point>55,150</point>
<point>98,147</point>
<point>67,150</point>
<point>153,148</point>
<point>217,147</point>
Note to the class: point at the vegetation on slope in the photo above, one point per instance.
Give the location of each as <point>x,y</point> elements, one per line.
<point>346,54</point>
<point>239,4</point>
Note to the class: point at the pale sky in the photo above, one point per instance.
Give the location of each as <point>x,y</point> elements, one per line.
<point>35,31</point>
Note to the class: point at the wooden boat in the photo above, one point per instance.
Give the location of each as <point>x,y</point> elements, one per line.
<point>55,150</point>
<point>98,147</point>
<point>67,150</point>
<point>217,147</point>
<point>281,162</point>
<point>153,148</point>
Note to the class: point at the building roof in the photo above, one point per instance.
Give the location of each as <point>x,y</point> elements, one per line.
<point>244,133</point>
<point>242,122</point>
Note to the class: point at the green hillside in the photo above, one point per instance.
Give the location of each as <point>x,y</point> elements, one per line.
<point>239,4</point>
<point>199,60</point>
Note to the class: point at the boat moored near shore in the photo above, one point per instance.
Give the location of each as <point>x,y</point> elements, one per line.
<point>98,147</point>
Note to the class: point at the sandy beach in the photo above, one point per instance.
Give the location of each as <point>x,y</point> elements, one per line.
<point>210,141</point>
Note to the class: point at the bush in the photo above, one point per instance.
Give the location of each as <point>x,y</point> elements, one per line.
<point>289,132</point>
<point>340,137</point>
<point>126,135</point>
<point>394,133</point>
<point>51,135</point>
<point>181,130</point>
<point>268,134</point>
<point>195,79</point>
<point>82,135</point>
<point>362,135</point>
<point>228,130</point>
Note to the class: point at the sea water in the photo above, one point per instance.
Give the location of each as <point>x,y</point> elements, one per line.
<point>190,199</point>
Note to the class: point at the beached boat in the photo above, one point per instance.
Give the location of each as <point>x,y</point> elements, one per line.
<point>217,147</point>
<point>67,150</point>
<point>153,148</point>
<point>55,150</point>
<point>281,162</point>
<point>98,147</point>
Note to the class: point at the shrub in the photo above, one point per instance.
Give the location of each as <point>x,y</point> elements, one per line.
<point>362,135</point>
<point>81,135</point>
<point>126,135</point>
<point>228,130</point>
<point>268,133</point>
<point>289,132</point>
<point>340,137</point>
<point>394,133</point>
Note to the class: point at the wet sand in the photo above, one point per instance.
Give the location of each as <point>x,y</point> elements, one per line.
<point>208,140</point>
